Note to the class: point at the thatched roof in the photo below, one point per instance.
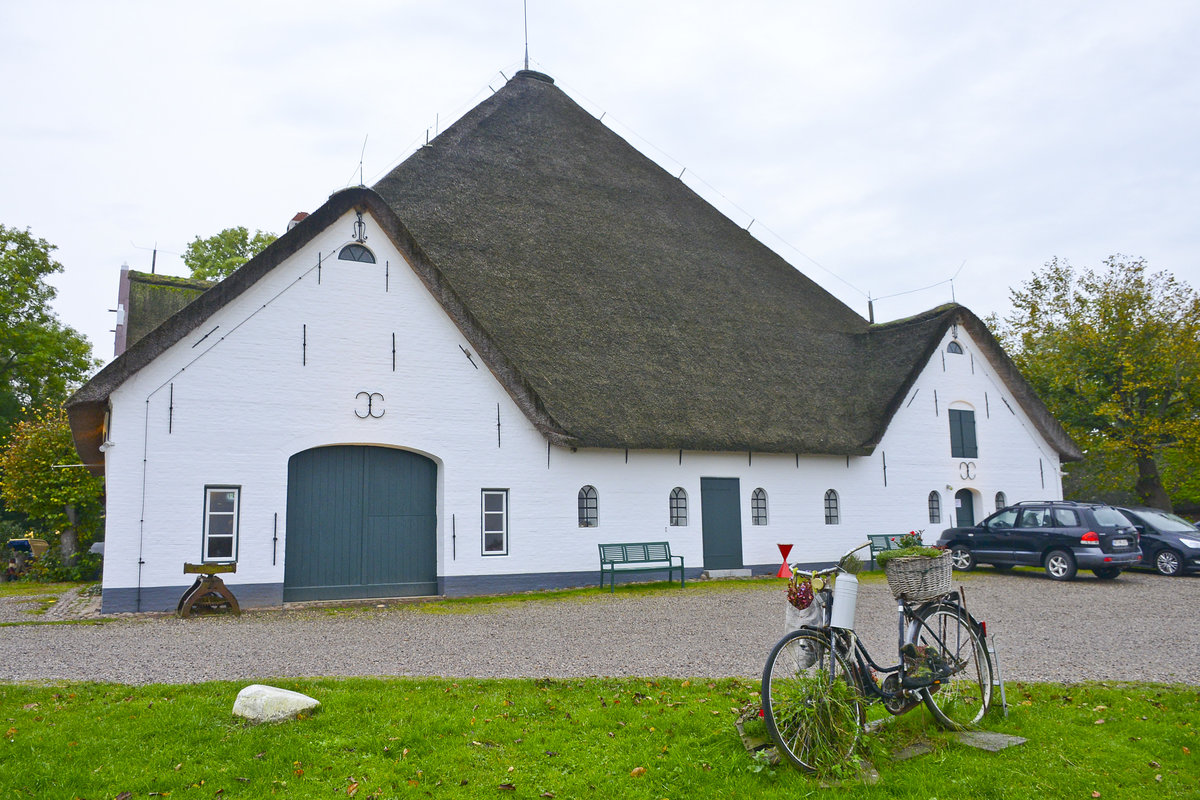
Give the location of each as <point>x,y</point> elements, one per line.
<point>617,307</point>
<point>154,298</point>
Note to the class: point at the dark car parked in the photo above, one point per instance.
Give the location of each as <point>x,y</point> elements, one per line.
<point>1058,535</point>
<point>1170,544</point>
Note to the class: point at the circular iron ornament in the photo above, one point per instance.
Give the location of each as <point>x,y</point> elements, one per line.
<point>374,409</point>
<point>966,470</point>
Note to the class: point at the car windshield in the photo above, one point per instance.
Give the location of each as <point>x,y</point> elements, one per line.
<point>1167,522</point>
<point>1003,519</point>
<point>1110,516</point>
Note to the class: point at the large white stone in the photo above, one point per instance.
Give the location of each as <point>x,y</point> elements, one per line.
<point>259,703</point>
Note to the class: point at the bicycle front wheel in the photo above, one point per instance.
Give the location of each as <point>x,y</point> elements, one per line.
<point>960,699</point>
<point>811,702</point>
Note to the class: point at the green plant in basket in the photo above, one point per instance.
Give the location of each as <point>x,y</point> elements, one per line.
<point>910,545</point>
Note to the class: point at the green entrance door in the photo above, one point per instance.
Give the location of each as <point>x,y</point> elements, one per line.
<point>361,522</point>
<point>721,521</point>
<point>964,502</point>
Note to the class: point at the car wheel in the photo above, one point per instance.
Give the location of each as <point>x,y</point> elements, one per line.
<point>1106,573</point>
<point>1060,565</point>
<point>1168,562</point>
<point>961,558</point>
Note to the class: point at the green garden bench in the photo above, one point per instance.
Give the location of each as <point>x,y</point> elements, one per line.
<point>637,557</point>
<point>883,541</point>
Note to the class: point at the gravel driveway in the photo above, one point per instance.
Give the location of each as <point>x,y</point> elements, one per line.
<point>1139,627</point>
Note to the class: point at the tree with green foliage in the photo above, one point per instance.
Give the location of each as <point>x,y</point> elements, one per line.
<point>1115,355</point>
<point>41,360</point>
<point>40,477</point>
<point>216,257</point>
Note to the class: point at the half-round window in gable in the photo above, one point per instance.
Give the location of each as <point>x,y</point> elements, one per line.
<point>954,347</point>
<point>356,252</point>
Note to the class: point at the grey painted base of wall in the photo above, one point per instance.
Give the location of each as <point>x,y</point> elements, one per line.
<point>265,595</point>
<point>166,598</point>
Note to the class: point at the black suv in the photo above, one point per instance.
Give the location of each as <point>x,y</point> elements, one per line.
<point>1060,535</point>
<point>1170,544</point>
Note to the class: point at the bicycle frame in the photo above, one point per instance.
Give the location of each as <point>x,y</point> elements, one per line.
<point>908,624</point>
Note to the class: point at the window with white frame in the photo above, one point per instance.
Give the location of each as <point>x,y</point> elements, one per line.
<point>589,514</point>
<point>935,508</point>
<point>832,512</point>
<point>678,506</point>
<point>758,507</point>
<point>494,522</point>
<point>221,522</point>
<point>1001,500</point>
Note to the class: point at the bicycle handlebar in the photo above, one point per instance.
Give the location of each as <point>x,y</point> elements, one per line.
<point>830,570</point>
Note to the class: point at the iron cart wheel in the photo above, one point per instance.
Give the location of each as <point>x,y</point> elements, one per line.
<point>811,702</point>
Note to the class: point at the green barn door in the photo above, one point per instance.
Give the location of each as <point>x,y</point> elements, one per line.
<point>361,522</point>
<point>721,522</point>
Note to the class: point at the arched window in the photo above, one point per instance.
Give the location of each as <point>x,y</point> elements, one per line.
<point>588,507</point>
<point>356,252</point>
<point>832,515</point>
<point>678,506</point>
<point>935,508</point>
<point>758,507</point>
<point>954,347</point>
<point>1001,500</point>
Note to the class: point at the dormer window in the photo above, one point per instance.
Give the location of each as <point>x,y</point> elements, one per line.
<point>356,252</point>
<point>954,347</point>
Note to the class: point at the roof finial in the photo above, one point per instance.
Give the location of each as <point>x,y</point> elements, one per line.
<point>525,6</point>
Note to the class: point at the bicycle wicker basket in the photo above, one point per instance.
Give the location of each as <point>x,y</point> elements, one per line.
<point>918,578</point>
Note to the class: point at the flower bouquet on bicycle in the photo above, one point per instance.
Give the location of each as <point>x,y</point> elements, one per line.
<point>820,678</point>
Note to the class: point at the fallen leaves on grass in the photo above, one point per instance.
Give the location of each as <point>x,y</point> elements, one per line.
<point>637,772</point>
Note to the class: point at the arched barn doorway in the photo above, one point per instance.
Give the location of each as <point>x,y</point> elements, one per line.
<point>361,522</point>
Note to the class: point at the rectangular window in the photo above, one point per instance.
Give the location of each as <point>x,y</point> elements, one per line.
<point>962,434</point>
<point>495,522</point>
<point>221,504</point>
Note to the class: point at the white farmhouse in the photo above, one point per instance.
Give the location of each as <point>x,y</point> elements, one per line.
<point>527,340</point>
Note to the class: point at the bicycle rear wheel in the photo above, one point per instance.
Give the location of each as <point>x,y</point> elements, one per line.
<point>960,699</point>
<point>811,702</point>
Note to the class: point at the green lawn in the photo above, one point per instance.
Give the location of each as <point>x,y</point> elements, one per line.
<point>602,738</point>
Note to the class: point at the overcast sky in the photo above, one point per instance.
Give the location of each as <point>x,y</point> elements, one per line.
<point>880,147</point>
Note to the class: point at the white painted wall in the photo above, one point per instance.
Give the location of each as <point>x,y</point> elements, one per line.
<point>233,401</point>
